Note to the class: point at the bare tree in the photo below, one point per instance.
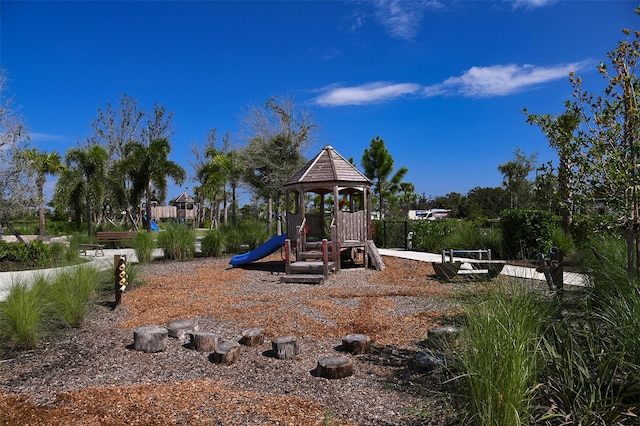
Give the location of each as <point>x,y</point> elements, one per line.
<point>277,137</point>
<point>16,193</point>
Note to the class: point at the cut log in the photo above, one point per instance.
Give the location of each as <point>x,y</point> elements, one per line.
<point>203,342</point>
<point>226,353</point>
<point>285,347</point>
<point>150,338</point>
<point>356,343</point>
<point>334,367</point>
<point>252,337</point>
<point>181,328</point>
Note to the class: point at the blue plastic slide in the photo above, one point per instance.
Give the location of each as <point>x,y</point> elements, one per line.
<point>273,244</point>
<point>154,225</point>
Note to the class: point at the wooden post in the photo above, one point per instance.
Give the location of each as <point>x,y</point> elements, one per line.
<point>150,338</point>
<point>334,367</point>
<point>180,328</point>
<point>252,337</point>
<point>226,353</point>
<point>203,342</point>
<point>120,276</point>
<point>556,267</point>
<point>285,347</point>
<point>356,343</point>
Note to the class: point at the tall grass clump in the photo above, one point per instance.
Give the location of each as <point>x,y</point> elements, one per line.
<point>212,244</point>
<point>21,316</point>
<point>233,239</point>
<point>469,235</point>
<point>178,241</point>
<point>253,232</point>
<point>70,293</point>
<point>498,362</point>
<point>144,243</point>
<point>593,354</point>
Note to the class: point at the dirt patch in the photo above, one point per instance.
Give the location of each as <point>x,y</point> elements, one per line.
<point>92,375</point>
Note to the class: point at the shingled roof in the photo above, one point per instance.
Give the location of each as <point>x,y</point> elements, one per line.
<point>184,198</point>
<point>328,166</point>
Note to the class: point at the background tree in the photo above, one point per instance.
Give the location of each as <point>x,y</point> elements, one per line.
<point>608,141</point>
<point>487,201</point>
<point>277,137</point>
<point>515,178</point>
<point>377,163</point>
<point>561,133</point>
<point>42,164</point>
<point>408,196</point>
<point>15,192</point>
<point>148,168</point>
<point>87,170</point>
<point>229,166</point>
<point>211,182</point>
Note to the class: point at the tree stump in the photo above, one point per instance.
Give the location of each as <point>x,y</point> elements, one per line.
<point>285,347</point>
<point>203,342</point>
<point>356,343</point>
<point>334,367</point>
<point>150,338</point>
<point>180,328</point>
<point>226,353</point>
<point>252,337</point>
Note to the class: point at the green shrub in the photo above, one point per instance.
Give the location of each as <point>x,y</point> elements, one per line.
<point>498,359</point>
<point>584,227</point>
<point>144,244</point>
<point>253,233</point>
<point>563,241</point>
<point>39,254</point>
<point>70,294</point>
<point>233,240</point>
<point>525,233</point>
<point>178,242</point>
<point>469,235</point>
<point>212,244</point>
<point>21,316</point>
<point>430,235</point>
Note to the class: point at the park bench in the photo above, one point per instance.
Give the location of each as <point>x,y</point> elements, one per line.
<point>98,249</point>
<point>115,237</point>
<point>470,264</point>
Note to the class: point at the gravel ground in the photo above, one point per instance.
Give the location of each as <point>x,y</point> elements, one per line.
<point>92,375</point>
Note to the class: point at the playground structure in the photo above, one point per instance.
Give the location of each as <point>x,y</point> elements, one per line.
<point>184,209</point>
<point>328,216</point>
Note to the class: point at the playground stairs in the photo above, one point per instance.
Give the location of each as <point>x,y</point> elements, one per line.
<point>312,265</point>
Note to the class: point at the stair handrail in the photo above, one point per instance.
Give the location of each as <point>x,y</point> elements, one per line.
<point>302,236</point>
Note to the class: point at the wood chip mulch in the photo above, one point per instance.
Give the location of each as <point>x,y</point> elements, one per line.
<point>93,376</point>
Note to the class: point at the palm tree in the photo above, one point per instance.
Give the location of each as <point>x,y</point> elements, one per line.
<point>42,164</point>
<point>211,185</point>
<point>91,163</point>
<point>228,165</point>
<point>148,167</point>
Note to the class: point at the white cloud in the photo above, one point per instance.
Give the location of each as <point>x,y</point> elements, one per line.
<point>500,80</point>
<point>402,18</point>
<point>366,93</point>
<point>47,137</point>
<point>477,82</point>
<point>531,4</point>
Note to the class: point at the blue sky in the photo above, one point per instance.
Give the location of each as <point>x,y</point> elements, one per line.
<point>442,82</point>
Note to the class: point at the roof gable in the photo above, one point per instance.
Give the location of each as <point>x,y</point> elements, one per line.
<point>328,166</point>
